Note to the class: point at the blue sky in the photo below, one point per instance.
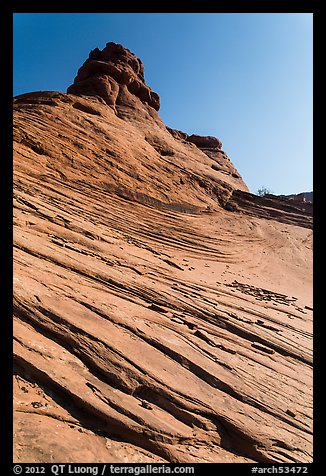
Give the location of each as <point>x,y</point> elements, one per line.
<point>245,78</point>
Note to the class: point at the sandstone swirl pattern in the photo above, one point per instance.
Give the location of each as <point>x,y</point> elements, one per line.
<point>161,311</point>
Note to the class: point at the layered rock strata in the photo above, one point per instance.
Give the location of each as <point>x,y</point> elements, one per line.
<point>161,312</point>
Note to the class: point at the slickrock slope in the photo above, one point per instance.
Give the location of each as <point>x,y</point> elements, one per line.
<point>162,313</point>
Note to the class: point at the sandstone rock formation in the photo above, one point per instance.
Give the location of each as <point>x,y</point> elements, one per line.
<point>162,313</point>
<point>205,142</point>
<point>113,74</point>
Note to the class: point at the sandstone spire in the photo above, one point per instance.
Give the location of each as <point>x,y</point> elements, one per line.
<point>114,74</point>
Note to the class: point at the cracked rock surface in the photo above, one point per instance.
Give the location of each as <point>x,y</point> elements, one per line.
<point>161,312</point>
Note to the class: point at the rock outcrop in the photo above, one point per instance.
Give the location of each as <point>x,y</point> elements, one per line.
<point>205,142</point>
<point>161,312</point>
<point>114,74</point>
<point>273,207</point>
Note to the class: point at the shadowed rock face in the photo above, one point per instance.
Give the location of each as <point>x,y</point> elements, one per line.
<point>162,313</point>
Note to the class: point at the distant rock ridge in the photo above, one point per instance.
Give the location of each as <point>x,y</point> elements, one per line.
<point>111,74</point>
<point>303,197</point>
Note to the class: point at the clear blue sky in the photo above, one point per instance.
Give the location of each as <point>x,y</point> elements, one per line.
<point>244,78</point>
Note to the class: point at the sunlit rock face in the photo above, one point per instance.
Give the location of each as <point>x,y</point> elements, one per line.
<point>162,313</point>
